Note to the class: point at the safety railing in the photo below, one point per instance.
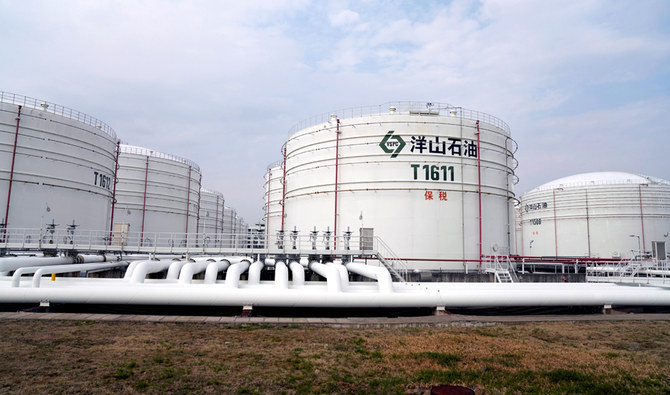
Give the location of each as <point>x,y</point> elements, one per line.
<point>132,149</point>
<point>631,270</point>
<point>402,107</point>
<point>57,109</point>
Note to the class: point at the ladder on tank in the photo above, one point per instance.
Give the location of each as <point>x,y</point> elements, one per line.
<point>391,261</point>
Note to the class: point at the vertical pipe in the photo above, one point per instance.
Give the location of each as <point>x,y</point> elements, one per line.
<point>553,191</point>
<point>523,246</point>
<point>116,172</point>
<point>216,218</point>
<point>588,226</point>
<point>479,192</point>
<point>197,212</point>
<point>639,190</point>
<point>11,173</point>
<point>283,192</point>
<point>223,217</point>
<point>188,202</point>
<point>337,157</point>
<point>267,209</point>
<point>144,203</point>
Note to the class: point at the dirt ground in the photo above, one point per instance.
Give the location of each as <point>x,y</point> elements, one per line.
<point>41,356</point>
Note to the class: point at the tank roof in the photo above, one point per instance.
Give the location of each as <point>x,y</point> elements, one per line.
<point>134,149</point>
<point>57,109</point>
<point>600,178</point>
<point>419,108</point>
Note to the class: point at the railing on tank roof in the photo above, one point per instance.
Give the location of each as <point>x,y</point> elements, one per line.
<point>594,183</point>
<point>132,149</point>
<point>402,107</point>
<point>205,190</point>
<point>57,109</point>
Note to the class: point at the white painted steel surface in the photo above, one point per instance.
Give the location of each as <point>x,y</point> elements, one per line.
<point>598,215</point>
<point>421,198</point>
<point>273,202</point>
<point>158,189</point>
<point>63,169</point>
<point>211,214</point>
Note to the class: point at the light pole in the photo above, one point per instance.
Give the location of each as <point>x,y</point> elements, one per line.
<point>638,244</point>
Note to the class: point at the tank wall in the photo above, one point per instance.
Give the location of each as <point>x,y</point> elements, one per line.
<point>172,190</point>
<point>596,221</point>
<point>421,198</point>
<point>273,203</point>
<point>211,212</point>
<point>60,163</point>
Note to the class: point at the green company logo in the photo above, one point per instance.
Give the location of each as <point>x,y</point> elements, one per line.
<point>392,147</point>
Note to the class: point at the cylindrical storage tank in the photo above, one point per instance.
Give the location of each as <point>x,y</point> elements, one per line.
<point>229,227</point>
<point>56,166</point>
<point>211,216</point>
<point>156,197</point>
<point>598,215</point>
<point>273,202</point>
<point>433,181</point>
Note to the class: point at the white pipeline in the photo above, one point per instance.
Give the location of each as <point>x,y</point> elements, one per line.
<point>313,295</point>
<point>380,274</point>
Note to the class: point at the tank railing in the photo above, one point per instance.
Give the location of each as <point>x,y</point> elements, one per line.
<point>402,107</point>
<point>57,109</point>
<point>387,255</point>
<point>165,242</point>
<point>588,183</point>
<point>132,149</point>
<point>628,270</point>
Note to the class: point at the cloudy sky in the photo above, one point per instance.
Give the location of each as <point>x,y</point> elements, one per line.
<point>584,85</point>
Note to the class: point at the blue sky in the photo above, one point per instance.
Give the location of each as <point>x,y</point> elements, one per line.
<point>584,85</point>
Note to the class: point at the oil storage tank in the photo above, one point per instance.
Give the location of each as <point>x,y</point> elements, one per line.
<point>273,202</point>
<point>157,198</point>
<point>433,181</point>
<point>597,215</point>
<point>56,166</point>
<point>211,213</point>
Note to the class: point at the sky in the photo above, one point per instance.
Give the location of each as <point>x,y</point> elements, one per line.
<point>583,84</point>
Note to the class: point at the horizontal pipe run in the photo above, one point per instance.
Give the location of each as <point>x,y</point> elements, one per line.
<point>410,296</point>
<point>69,268</point>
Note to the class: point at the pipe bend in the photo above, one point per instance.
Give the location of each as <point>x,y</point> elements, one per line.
<point>330,273</point>
<point>380,274</point>
<point>255,273</point>
<point>213,270</point>
<point>234,272</point>
<point>298,273</point>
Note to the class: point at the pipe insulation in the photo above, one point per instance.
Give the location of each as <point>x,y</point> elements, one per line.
<point>378,273</point>
<point>330,273</point>
<point>297,273</point>
<point>281,275</point>
<point>234,272</point>
<point>39,271</point>
<point>255,272</point>
<point>418,295</point>
<point>12,263</point>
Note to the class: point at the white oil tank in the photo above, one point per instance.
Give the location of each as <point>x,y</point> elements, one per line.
<point>598,215</point>
<point>433,181</point>
<point>273,202</point>
<point>56,166</point>
<point>156,193</point>
<point>211,216</point>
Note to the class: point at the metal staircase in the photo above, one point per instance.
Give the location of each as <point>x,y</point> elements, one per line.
<point>396,266</point>
<point>502,268</point>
